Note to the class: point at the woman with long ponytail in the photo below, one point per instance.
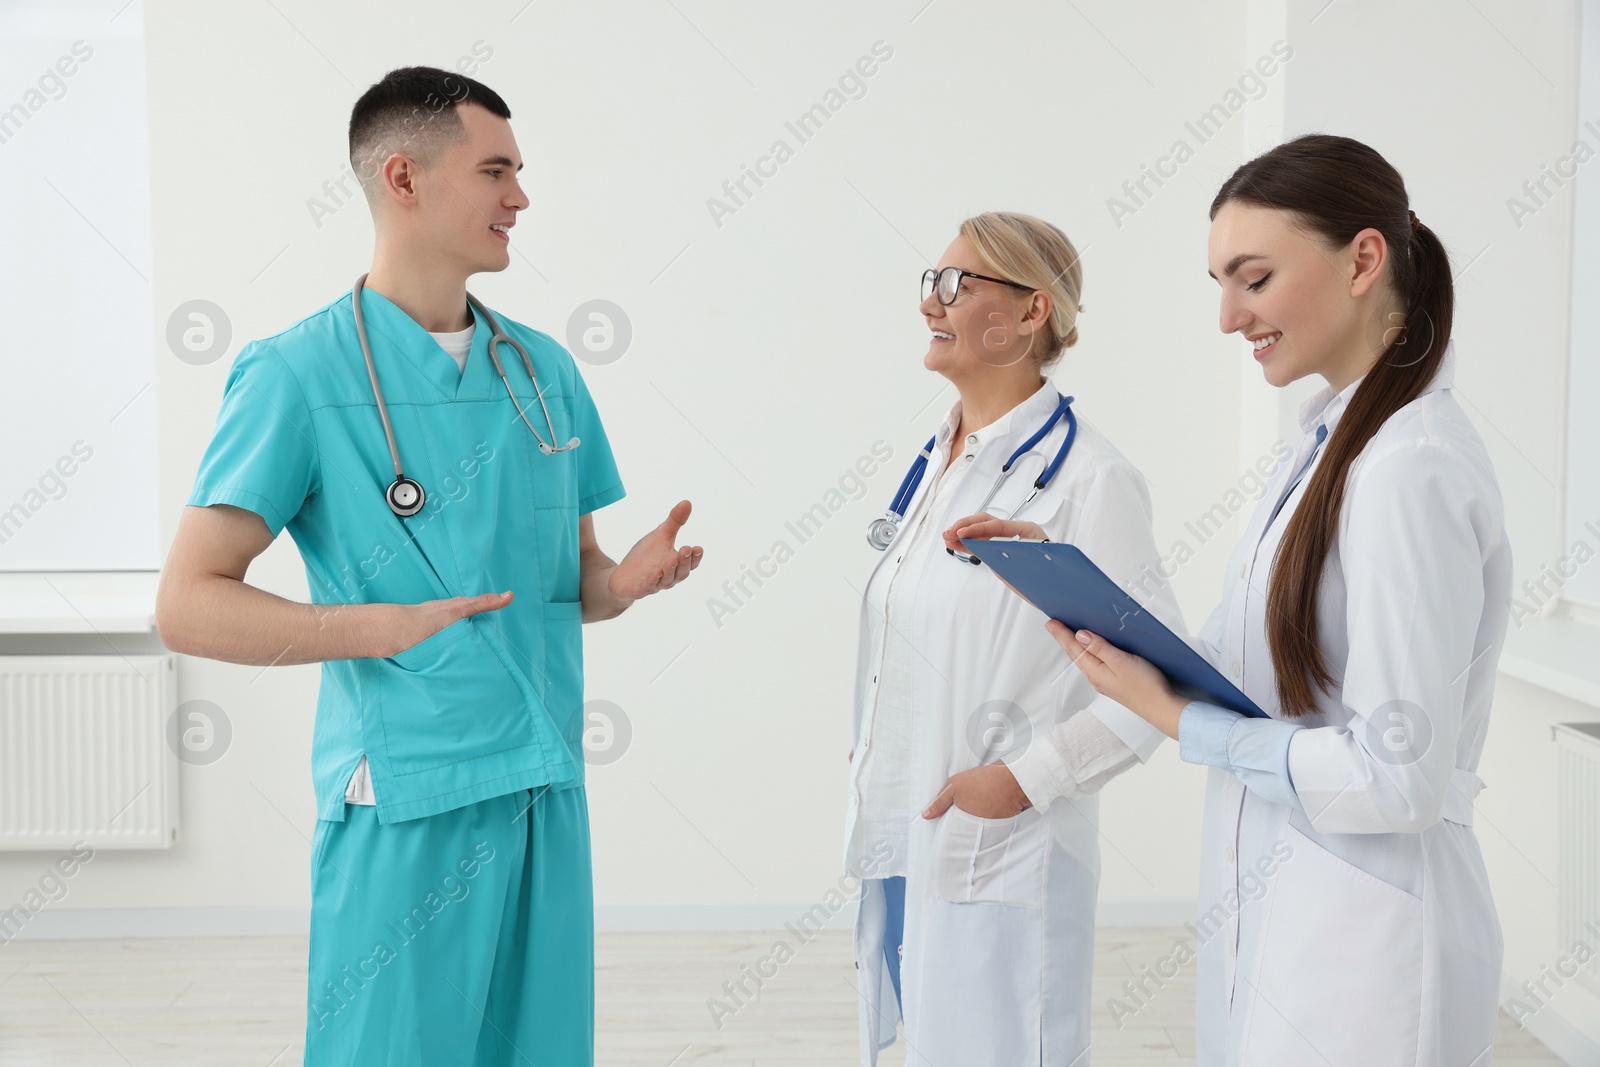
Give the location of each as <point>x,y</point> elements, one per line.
<point>1345,912</point>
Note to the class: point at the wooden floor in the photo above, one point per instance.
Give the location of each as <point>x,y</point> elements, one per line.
<point>225,1001</point>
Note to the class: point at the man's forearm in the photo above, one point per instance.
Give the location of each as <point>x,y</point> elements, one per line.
<point>599,602</point>
<point>220,618</point>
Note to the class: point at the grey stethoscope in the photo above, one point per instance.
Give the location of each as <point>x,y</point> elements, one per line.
<point>881,531</point>
<point>405,495</point>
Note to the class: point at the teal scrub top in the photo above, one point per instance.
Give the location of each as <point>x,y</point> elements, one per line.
<point>492,703</point>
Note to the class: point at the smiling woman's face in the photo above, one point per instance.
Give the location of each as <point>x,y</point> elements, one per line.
<point>1284,291</point>
<point>987,326</point>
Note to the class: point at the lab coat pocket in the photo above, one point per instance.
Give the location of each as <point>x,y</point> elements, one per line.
<point>1341,966</point>
<point>990,861</point>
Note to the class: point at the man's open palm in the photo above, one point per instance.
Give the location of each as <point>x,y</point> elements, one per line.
<point>656,562</point>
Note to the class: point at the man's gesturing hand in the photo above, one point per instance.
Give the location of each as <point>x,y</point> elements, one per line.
<point>656,562</point>
<point>397,627</point>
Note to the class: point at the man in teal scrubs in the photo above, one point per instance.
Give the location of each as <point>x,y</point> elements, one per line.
<point>452,906</point>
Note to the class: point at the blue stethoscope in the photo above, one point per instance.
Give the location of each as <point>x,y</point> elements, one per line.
<point>882,530</point>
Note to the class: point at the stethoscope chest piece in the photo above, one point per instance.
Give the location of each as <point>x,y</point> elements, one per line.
<point>881,531</point>
<point>405,496</point>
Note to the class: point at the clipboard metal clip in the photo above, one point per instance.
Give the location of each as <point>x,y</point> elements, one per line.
<point>967,557</point>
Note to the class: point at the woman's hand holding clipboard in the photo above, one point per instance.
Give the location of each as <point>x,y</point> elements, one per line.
<point>1126,677</point>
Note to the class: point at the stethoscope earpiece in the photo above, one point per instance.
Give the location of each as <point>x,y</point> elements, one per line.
<point>551,450</point>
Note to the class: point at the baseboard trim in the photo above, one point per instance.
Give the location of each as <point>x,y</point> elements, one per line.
<point>87,923</point>
<point>1145,912</point>
<point>65,924</point>
<point>1568,1024</point>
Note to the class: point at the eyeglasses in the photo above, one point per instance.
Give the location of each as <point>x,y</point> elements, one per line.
<point>948,283</point>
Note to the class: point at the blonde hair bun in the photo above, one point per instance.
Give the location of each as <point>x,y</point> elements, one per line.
<point>1031,251</point>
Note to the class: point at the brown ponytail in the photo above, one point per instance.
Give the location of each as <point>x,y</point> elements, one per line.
<point>1336,187</point>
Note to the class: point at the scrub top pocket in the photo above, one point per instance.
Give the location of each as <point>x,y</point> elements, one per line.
<point>991,861</point>
<point>448,699</point>
<point>553,477</point>
<point>424,652</point>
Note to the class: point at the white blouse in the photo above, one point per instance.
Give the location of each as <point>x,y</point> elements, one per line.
<point>891,597</point>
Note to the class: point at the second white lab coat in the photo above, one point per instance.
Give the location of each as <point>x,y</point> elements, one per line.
<point>1357,926</point>
<point>999,913</point>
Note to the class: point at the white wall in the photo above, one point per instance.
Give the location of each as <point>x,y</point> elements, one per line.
<point>742,391</point>
<point>770,353</point>
<point>1569,176</point>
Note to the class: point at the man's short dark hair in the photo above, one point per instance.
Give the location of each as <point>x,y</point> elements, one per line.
<point>412,110</point>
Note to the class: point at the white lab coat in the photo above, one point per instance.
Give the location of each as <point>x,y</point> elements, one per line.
<point>999,915</point>
<point>1367,935</point>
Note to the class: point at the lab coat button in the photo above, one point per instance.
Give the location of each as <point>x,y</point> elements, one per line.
<point>1242,568</point>
<point>1235,666</point>
<point>972,438</point>
<point>1227,854</point>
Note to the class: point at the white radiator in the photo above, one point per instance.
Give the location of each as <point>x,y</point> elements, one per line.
<point>1578,870</point>
<point>84,754</point>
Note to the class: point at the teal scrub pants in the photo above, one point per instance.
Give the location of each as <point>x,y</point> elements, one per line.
<point>463,938</point>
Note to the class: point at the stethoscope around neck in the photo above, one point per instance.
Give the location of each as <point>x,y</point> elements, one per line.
<point>881,531</point>
<point>406,496</point>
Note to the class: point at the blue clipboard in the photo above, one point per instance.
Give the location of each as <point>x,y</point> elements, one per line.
<point>1062,582</point>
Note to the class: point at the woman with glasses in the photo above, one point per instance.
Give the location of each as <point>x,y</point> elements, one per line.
<point>980,862</point>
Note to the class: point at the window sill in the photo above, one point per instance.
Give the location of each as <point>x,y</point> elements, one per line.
<point>1560,653</point>
<point>78,602</point>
